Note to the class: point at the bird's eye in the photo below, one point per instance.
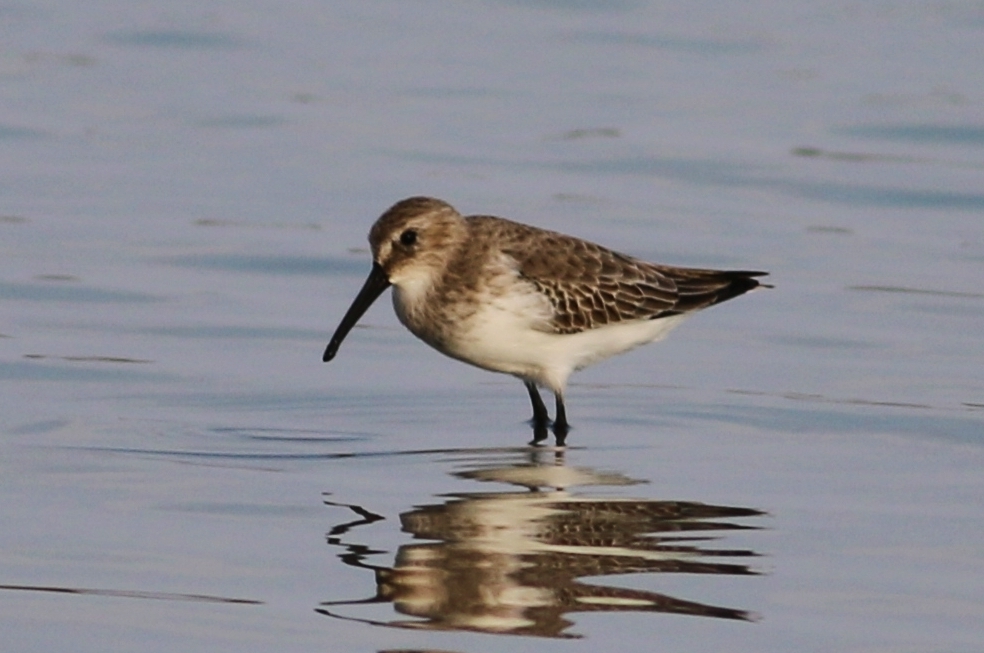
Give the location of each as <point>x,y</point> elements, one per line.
<point>408,237</point>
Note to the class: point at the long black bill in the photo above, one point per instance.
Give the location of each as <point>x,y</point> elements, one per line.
<point>371,289</point>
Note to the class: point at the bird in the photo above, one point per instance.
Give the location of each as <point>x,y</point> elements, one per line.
<point>512,298</point>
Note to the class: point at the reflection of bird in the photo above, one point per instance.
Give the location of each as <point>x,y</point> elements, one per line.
<point>511,562</point>
<point>512,298</point>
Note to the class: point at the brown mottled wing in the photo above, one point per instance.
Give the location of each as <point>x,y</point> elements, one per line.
<point>590,286</point>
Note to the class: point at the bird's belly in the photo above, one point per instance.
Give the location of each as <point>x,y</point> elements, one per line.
<point>502,343</point>
<point>510,332</point>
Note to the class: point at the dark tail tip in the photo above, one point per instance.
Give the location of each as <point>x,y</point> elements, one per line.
<point>702,288</point>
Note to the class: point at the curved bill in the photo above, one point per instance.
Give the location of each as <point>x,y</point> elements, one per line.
<point>371,289</point>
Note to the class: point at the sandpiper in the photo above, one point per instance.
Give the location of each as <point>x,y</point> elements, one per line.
<point>512,298</point>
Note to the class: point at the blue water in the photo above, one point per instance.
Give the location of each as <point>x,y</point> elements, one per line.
<point>185,193</point>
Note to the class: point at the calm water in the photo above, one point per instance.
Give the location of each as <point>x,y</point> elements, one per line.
<point>184,196</point>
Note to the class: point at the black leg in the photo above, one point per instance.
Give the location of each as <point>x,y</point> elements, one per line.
<point>560,427</point>
<point>540,415</point>
<point>541,420</point>
<point>540,433</point>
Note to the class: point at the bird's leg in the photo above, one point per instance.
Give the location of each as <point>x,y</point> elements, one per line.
<point>560,427</point>
<point>540,417</point>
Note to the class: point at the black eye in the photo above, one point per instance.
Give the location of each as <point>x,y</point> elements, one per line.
<point>408,237</point>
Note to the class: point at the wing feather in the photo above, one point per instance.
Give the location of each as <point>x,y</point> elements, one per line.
<point>590,286</point>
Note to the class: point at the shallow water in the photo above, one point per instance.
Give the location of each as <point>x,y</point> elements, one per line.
<point>184,197</point>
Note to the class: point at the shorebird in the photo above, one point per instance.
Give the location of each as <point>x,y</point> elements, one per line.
<point>512,298</point>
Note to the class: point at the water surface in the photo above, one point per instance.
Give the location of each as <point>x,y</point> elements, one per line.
<point>184,199</point>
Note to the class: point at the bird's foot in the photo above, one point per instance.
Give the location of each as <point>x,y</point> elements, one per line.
<point>541,431</point>
<point>560,431</point>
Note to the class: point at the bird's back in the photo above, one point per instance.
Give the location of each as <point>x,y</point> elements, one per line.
<point>590,286</point>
